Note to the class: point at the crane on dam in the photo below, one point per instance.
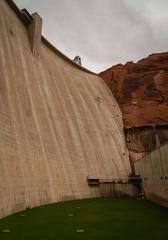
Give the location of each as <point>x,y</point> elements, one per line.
<point>77,59</point>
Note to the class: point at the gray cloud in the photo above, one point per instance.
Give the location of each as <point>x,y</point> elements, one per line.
<point>105,32</point>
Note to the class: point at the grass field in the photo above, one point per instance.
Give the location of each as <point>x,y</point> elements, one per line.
<point>92,219</point>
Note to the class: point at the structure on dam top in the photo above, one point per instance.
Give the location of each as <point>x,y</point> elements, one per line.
<point>61,129</point>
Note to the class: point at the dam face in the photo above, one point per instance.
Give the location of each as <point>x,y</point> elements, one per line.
<point>59,123</point>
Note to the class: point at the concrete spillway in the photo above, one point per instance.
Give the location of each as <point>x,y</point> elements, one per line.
<point>59,123</point>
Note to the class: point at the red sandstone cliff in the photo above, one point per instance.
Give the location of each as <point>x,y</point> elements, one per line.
<point>141,90</point>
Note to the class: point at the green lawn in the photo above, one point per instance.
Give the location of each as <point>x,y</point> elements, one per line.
<point>92,219</point>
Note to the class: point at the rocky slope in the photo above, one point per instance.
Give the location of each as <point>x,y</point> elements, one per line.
<point>141,90</point>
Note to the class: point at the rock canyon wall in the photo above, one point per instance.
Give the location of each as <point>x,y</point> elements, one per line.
<point>141,89</point>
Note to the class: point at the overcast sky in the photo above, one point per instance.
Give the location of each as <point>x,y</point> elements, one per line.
<point>103,32</point>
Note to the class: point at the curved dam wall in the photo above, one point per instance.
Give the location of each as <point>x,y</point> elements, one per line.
<point>59,124</point>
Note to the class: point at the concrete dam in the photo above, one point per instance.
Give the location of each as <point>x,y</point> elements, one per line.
<point>60,125</point>
<point>59,122</point>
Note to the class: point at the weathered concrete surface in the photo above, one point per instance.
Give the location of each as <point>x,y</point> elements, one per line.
<point>153,169</point>
<point>58,124</point>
